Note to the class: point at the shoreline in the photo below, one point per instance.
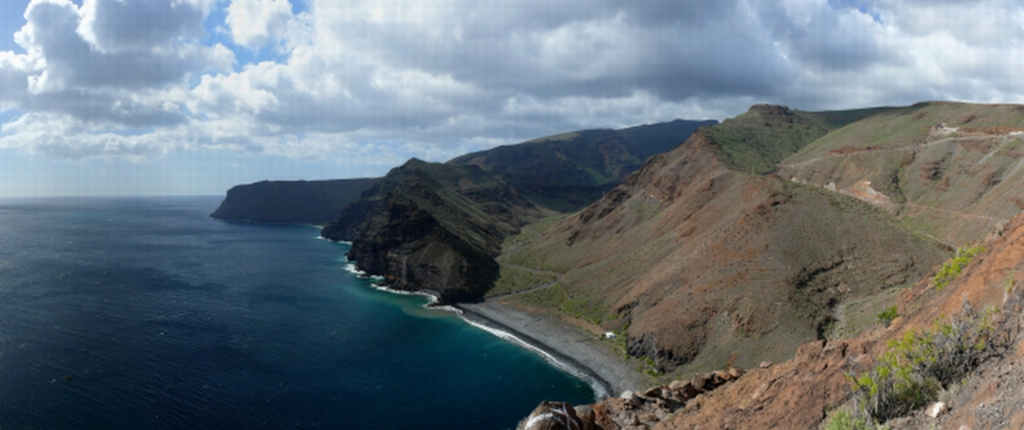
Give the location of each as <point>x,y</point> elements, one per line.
<point>569,348</point>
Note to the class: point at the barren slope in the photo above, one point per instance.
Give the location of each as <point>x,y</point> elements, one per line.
<point>798,393</point>
<point>700,264</point>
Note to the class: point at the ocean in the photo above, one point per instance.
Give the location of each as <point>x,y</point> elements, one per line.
<point>144,313</point>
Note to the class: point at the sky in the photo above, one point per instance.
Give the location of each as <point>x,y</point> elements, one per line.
<point>164,97</point>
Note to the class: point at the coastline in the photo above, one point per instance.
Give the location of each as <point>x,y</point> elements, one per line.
<point>571,348</point>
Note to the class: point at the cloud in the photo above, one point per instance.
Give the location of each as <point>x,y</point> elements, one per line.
<point>433,78</point>
<point>256,23</point>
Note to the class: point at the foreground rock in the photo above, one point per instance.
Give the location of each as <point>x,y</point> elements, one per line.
<point>632,410</point>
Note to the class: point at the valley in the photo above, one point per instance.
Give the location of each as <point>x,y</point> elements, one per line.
<point>766,247</point>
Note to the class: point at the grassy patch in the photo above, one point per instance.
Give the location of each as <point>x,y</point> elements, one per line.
<point>585,308</point>
<point>952,268</point>
<point>513,279</point>
<point>846,420</point>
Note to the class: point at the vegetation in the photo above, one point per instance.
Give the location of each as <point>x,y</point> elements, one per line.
<point>846,420</point>
<point>951,269</point>
<point>886,316</point>
<point>918,365</point>
<point>514,279</point>
<point>758,140</point>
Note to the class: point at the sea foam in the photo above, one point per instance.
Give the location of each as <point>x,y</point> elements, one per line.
<point>599,390</point>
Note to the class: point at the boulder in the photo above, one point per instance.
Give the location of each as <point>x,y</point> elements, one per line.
<point>734,372</point>
<point>630,399</point>
<point>653,392</point>
<point>683,390</point>
<point>702,382</point>
<point>553,416</point>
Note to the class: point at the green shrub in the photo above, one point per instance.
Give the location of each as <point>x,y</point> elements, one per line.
<point>846,420</point>
<point>916,366</point>
<point>951,269</point>
<point>886,316</point>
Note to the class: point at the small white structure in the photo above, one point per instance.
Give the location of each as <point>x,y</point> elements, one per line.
<point>609,335</point>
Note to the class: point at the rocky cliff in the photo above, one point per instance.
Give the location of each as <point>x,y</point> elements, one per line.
<point>290,202</point>
<point>438,227</point>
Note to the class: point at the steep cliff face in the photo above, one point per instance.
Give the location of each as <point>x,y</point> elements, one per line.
<point>708,264</point>
<point>429,226</point>
<point>291,202</point>
<point>439,226</point>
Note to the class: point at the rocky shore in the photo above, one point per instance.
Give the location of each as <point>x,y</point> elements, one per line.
<point>576,350</point>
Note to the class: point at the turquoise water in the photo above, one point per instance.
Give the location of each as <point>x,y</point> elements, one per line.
<point>145,313</point>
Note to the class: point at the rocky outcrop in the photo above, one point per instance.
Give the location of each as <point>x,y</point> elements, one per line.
<point>290,202</point>
<point>631,410</point>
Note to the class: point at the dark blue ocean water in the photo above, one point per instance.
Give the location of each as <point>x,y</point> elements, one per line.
<point>146,314</point>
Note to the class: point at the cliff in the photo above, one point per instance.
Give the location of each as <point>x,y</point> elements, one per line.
<point>290,202</point>
<point>438,227</point>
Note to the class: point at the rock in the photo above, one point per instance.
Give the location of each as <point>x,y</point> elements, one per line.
<point>734,372</point>
<point>722,377</point>
<point>701,382</point>
<point>684,390</point>
<point>653,392</point>
<point>630,399</point>
<point>765,364</point>
<point>936,409</point>
<point>552,416</point>
<point>588,417</point>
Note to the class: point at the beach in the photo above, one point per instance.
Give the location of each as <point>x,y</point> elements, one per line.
<point>574,349</point>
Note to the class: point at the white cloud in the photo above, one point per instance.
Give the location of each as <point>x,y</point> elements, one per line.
<point>432,78</point>
<point>257,23</point>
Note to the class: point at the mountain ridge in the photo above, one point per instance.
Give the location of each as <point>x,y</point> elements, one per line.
<point>472,203</point>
